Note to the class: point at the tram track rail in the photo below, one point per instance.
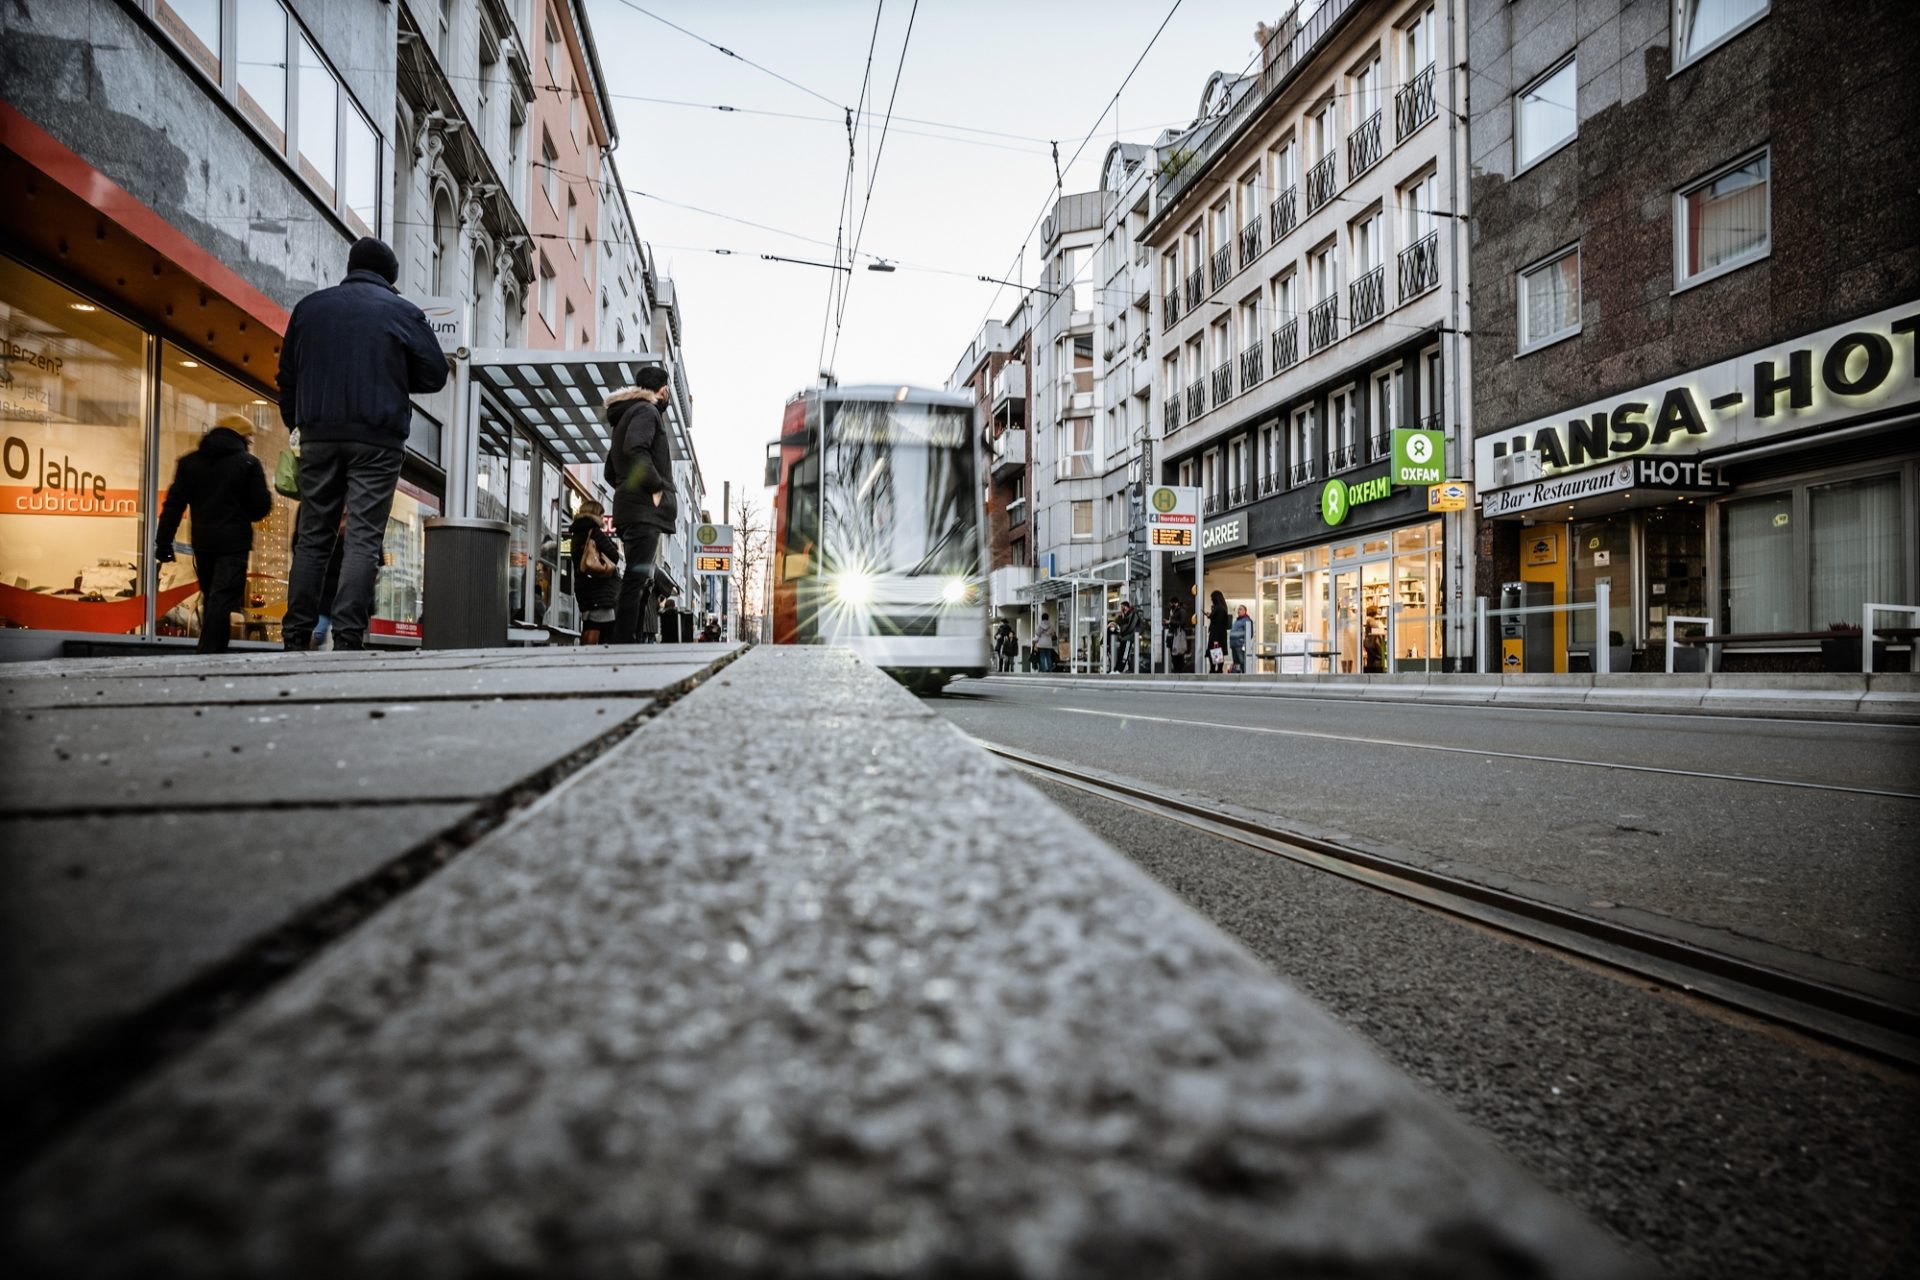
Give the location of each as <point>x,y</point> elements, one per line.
<point>1877,1024</point>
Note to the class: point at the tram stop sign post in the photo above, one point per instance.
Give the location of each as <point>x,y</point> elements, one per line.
<point>713,550</point>
<point>1173,518</point>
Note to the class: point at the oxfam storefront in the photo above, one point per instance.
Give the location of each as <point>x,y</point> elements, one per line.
<point>1341,577</point>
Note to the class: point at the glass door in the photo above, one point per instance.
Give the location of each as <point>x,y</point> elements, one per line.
<point>1346,620</point>
<point>1376,599</point>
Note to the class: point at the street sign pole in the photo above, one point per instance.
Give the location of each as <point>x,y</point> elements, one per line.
<point>1200,662</point>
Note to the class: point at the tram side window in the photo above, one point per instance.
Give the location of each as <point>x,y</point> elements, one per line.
<point>802,532</point>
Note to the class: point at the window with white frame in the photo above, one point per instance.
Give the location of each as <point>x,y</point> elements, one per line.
<point>1282,166</point>
<point>1343,429</point>
<point>1272,443</point>
<point>1703,25</point>
<point>1083,520</point>
<point>1250,320</point>
<point>1252,207</point>
<point>1223,226</point>
<point>1285,300</point>
<point>1416,45</point>
<point>1323,131</point>
<point>1386,401</point>
<point>1550,299</point>
<point>1723,221</point>
<point>1237,473</point>
<point>1417,207</point>
<point>1222,342</point>
<point>1170,274</point>
<point>566,325</point>
<point>1300,441</point>
<point>1430,385</point>
<point>1543,115</point>
<point>573,223</point>
<point>1366,91</point>
<point>549,295</point>
<point>1210,475</point>
<point>550,170</point>
<point>1368,245</point>
<point>1186,474</point>
<point>1077,445</point>
<point>1324,272</point>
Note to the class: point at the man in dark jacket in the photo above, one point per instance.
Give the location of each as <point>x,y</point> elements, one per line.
<point>226,489</point>
<point>351,357</point>
<point>640,469</point>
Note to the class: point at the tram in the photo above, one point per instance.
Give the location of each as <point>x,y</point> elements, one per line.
<point>878,529</point>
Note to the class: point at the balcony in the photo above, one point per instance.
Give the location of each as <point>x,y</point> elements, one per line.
<point>1250,365</point>
<point>1323,324</point>
<point>1286,345</point>
<point>1420,266</point>
<point>1383,444</point>
<point>1223,384</point>
<point>1270,483</point>
<point>1009,384</point>
<point>1196,288</point>
<point>1239,496</point>
<point>1016,513</point>
<point>1283,215</point>
<point>1196,399</point>
<point>1363,147</point>
<point>1005,582</point>
<point>1249,243</point>
<point>1141,345</point>
<point>1302,472</point>
<point>1320,182</point>
<point>1169,308</point>
<point>1009,452</point>
<point>1210,505</point>
<point>1342,457</point>
<point>1170,415</point>
<point>1222,265</point>
<point>1367,299</point>
<point>1414,105</point>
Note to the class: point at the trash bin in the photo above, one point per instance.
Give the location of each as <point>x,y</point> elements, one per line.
<point>466,584</point>
<point>676,627</point>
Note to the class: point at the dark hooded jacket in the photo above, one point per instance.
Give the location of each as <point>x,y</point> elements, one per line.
<point>593,593</point>
<point>351,357</point>
<point>227,490</point>
<point>639,462</point>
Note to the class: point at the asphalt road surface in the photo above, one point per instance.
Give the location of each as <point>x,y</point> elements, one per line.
<point>1717,1144</point>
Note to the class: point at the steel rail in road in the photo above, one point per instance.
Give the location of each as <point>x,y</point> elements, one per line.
<point>1861,1021</point>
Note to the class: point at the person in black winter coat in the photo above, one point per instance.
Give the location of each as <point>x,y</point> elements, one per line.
<point>351,356</point>
<point>1217,624</point>
<point>225,488</point>
<point>640,470</point>
<point>598,597</point>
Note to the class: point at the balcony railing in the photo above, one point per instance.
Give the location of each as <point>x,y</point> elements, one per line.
<point>1239,495</point>
<point>1251,370</point>
<point>1169,308</point>
<point>1286,345</point>
<point>1383,444</point>
<point>1223,384</point>
<point>1342,457</point>
<point>1210,505</point>
<point>1320,180</point>
<point>1016,513</point>
<point>1420,265</point>
<point>1196,399</point>
<point>1323,324</point>
<point>1222,265</point>
<point>1283,215</point>
<point>1363,147</point>
<point>1302,472</point>
<point>1269,483</point>
<point>1414,105</point>
<point>1196,288</point>
<point>1367,299</point>
<point>1170,414</point>
<point>1249,243</point>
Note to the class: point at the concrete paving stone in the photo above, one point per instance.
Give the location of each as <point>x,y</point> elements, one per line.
<point>271,664</point>
<point>102,759</point>
<point>759,996</point>
<point>383,684</point>
<point>101,916</point>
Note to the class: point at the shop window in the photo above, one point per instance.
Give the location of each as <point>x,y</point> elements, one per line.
<point>193,399</point>
<point>1723,221</point>
<point>195,27</point>
<point>73,416</point>
<point>1703,25</point>
<point>1854,538</point>
<point>1676,560</point>
<point>398,599</point>
<point>261,36</point>
<point>1757,564</point>
<point>319,122</point>
<point>1543,115</point>
<point>1550,300</point>
<point>1602,552</point>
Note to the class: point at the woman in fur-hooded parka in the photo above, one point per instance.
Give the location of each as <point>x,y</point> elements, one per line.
<point>639,462</point>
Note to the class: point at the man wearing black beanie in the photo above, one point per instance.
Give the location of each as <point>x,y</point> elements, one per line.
<point>351,357</point>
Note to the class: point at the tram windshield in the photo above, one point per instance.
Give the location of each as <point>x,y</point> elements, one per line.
<point>899,491</point>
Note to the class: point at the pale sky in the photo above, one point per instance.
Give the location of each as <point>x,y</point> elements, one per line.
<point>1040,69</point>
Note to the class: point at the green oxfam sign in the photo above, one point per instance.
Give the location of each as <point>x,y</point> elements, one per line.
<point>1419,457</point>
<point>1339,497</point>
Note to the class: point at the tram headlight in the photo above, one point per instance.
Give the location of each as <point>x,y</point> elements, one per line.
<point>960,591</point>
<point>853,588</point>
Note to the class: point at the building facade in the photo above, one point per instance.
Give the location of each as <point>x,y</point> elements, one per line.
<point>994,372</point>
<point>1697,317</point>
<point>1123,301</point>
<point>1310,271</point>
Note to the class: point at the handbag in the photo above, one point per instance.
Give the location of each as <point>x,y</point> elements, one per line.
<point>594,562</point>
<point>286,472</point>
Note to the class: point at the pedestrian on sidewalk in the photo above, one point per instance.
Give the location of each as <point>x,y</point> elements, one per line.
<point>1045,647</point>
<point>596,576</point>
<point>1126,626</point>
<point>1176,643</point>
<point>1238,637</point>
<point>225,489</point>
<point>640,470</point>
<point>352,356</point>
<point>1005,646</point>
<point>1217,624</point>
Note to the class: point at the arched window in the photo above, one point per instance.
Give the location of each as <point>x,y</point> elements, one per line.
<point>443,233</point>
<point>482,299</point>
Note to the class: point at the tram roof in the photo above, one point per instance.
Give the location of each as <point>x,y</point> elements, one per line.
<point>900,392</point>
<point>557,395</point>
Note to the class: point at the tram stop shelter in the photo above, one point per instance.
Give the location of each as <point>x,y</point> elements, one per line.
<point>528,425</point>
<point>1085,599</point>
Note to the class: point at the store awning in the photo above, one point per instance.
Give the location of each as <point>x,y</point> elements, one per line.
<point>557,395</point>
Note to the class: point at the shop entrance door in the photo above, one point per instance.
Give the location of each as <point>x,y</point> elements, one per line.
<point>1346,620</point>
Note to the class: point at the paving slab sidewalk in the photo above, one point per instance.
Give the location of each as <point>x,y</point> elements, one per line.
<point>792,981</point>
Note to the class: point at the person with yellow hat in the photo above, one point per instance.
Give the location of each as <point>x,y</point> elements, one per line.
<point>225,488</point>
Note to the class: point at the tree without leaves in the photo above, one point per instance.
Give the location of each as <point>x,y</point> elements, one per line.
<point>752,539</point>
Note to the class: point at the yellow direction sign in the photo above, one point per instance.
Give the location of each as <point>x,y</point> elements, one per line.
<point>1450,495</point>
